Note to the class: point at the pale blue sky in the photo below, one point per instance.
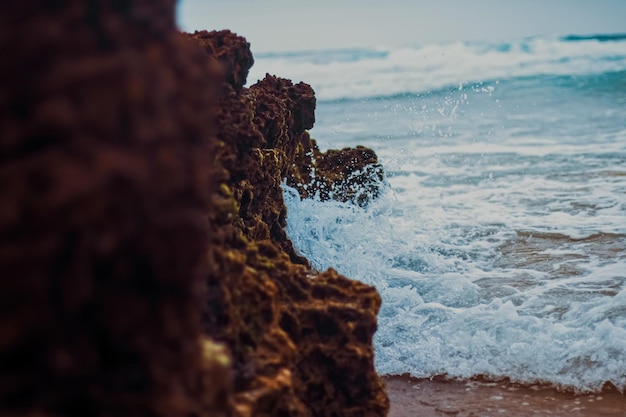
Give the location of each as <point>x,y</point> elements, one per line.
<point>278,25</point>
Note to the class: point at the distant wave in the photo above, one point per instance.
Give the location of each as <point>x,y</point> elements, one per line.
<point>606,81</point>
<point>325,56</point>
<point>361,73</point>
<point>613,37</point>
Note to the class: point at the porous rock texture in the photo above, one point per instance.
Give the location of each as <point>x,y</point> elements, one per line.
<point>301,341</point>
<point>144,267</point>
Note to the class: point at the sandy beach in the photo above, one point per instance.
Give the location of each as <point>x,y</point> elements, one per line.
<point>437,398</point>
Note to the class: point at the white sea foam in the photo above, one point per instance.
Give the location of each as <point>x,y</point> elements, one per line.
<point>506,275</point>
<point>457,302</point>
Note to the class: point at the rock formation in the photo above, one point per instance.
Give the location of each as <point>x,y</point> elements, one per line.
<point>302,340</point>
<point>144,267</point>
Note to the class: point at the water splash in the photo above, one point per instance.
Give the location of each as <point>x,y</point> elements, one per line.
<point>469,290</point>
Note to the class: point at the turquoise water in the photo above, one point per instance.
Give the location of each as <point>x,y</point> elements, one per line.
<point>499,246</point>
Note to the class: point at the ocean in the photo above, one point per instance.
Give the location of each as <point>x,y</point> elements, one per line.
<point>499,244</point>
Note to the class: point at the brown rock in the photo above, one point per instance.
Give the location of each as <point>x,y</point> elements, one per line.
<point>106,175</point>
<point>231,51</point>
<point>301,341</point>
<point>350,174</point>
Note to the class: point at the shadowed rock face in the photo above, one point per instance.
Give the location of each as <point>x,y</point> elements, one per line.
<point>144,269</point>
<point>107,172</point>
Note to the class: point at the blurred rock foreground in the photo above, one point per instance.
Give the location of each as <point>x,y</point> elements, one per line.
<point>144,266</point>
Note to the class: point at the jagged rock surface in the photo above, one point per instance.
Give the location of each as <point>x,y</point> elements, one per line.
<point>302,341</point>
<point>144,267</point>
<point>350,174</point>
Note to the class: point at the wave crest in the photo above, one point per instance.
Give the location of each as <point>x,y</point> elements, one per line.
<point>365,73</point>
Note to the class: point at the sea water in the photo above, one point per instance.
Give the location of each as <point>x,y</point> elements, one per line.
<point>499,244</point>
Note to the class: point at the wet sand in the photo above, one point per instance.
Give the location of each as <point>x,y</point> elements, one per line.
<point>438,398</point>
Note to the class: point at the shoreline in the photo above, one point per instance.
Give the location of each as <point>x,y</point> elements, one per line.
<point>437,397</point>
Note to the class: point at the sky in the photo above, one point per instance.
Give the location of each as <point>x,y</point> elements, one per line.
<point>282,25</point>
